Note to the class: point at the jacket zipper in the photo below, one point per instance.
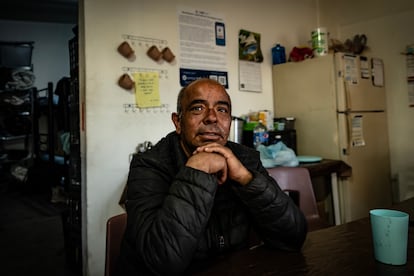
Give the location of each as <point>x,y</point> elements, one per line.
<point>221,242</point>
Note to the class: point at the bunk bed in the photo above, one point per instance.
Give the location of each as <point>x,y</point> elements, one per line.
<point>50,149</point>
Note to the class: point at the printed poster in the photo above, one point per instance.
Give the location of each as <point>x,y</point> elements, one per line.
<point>202,46</point>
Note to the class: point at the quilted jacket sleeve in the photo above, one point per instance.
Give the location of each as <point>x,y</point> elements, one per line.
<point>166,218</point>
<point>278,221</point>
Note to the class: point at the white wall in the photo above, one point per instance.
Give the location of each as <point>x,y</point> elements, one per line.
<point>388,26</point>
<point>50,53</point>
<point>111,133</point>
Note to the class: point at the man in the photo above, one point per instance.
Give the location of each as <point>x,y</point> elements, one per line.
<point>195,195</point>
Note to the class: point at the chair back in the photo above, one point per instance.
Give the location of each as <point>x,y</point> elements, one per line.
<point>115,228</point>
<point>297,179</point>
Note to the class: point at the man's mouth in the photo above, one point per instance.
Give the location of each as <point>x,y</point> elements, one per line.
<point>210,135</point>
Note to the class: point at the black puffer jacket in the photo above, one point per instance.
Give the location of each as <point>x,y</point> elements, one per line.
<point>179,215</point>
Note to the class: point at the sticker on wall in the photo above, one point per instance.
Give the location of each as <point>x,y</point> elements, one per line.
<point>249,46</point>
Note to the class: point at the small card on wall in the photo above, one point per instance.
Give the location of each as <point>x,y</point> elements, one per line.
<point>147,92</point>
<point>377,72</point>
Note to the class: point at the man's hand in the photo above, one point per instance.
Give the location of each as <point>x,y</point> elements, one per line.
<point>210,163</point>
<point>235,169</point>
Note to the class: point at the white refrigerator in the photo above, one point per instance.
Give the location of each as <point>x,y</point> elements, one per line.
<point>339,104</point>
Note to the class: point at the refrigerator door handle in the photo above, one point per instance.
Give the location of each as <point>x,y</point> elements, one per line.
<point>347,134</point>
<point>346,112</point>
<point>345,122</point>
<point>347,97</point>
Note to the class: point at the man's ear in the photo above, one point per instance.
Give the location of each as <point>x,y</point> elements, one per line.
<point>176,120</point>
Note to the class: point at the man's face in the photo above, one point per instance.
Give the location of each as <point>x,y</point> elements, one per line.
<point>206,116</point>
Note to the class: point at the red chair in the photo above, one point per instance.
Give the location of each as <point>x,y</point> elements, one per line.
<point>115,228</point>
<point>296,180</point>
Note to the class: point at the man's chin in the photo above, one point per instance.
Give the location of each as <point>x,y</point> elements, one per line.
<point>204,142</point>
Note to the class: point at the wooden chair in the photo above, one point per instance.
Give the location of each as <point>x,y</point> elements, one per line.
<point>296,180</point>
<point>115,228</point>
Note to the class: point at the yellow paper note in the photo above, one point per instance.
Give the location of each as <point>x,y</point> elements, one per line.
<point>147,93</point>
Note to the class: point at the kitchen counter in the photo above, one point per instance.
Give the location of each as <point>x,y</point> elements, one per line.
<point>327,167</point>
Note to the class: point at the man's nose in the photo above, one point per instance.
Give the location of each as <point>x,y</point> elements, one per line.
<point>211,115</point>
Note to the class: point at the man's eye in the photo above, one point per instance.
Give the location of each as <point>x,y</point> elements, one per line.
<point>197,108</point>
<point>223,109</point>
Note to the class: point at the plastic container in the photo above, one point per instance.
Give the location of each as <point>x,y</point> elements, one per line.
<point>286,122</point>
<point>320,39</point>
<point>278,54</point>
<point>266,116</point>
<point>260,135</point>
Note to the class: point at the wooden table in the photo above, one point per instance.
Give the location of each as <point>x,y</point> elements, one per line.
<point>333,169</point>
<point>346,249</point>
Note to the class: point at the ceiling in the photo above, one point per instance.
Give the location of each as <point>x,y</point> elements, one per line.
<point>58,11</point>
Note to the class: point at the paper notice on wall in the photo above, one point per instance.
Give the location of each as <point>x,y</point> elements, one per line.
<point>357,132</point>
<point>203,52</point>
<point>410,74</point>
<point>147,91</point>
<point>411,94</point>
<point>364,68</point>
<point>250,76</point>
<point>377,72</point>
<point>350,69</point>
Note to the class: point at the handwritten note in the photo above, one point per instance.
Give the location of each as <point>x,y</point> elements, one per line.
<point>147,93</point>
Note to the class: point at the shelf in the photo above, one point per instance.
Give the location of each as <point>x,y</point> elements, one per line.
<point>13,138</point>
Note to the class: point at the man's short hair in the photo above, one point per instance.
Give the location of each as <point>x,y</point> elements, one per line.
<point>184,89</point>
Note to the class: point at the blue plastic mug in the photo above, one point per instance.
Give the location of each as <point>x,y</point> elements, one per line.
<point>390,235</point>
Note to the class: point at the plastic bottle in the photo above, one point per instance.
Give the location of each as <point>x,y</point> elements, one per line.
<point>278,54</point>
<point>260,135</point>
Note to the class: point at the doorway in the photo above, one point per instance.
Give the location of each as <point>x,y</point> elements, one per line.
<point>37,227</point>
